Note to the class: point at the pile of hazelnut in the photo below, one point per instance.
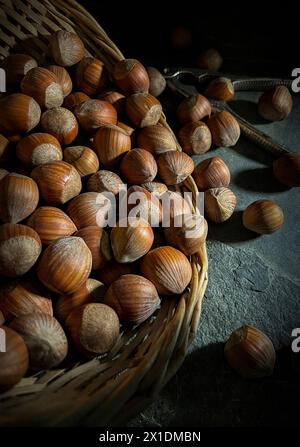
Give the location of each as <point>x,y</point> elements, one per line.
<point>70,133</point>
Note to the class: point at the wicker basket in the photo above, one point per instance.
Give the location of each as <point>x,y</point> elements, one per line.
<point>111,389</point>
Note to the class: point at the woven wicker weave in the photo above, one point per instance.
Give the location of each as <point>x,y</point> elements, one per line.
<point>111,389</point>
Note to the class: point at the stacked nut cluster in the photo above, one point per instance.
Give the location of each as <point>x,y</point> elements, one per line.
<point>72,138</point>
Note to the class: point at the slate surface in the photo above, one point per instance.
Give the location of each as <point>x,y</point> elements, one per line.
<point>252,280</point>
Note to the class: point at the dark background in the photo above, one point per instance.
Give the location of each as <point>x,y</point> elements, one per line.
<point>253,37</point>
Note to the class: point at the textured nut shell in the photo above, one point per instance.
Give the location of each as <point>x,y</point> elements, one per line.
<point>193,108</point>
<point>98,242</point>
<point>89,209</point>
<point>221,89</point>
<point>174,205</point>
<point>51,224</point>
<point>138,166</point>
<point>38,148</point>
<point>219,204</point>
<point>174,167</point>
<point>95,113</point>
<point>112,271</point>
<point>133,297</point>
<point>74,99</point>
<point>63,78</point>
<point>61,123</point>
<point>250,352</point>
<point>43,85</point>
<point>18,113</point>
<point>82,158</point>
<point>92,291</point>
<point>275,104</point>
<point>58,182</point>
<point>211,173</point>
<point>20,247</point>
<point>14,362</point>
<point>105,181</point>
<point>65,265</point>
<point>91,76</point>
<point>45,339</point>
<point>94,328</point>
<point>23,297</point>
<point>3,173</point>
<point>16,66</point>
<point>7,152</point>
<point>168,269</point>
<point>110,143</point>
<point>132,241</point>
<point>225,129</point>
<point>190,236</point>
<point>143,109</point>
<point>142,204</point>
<point>287,169</point>
<point>263,217</point>
<point>115,98</point>
<point>19,197</point>
<point>131,76</point>
<point>155,187</point>
<point>156,139</point>
<point>157,81</point>
<point>66,48</point>
<point>195,138</point>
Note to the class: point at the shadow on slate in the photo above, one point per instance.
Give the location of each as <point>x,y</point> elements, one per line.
<point>232,230</point>
<point>253,152</point>
<point>258,180</point>
<point>248,110</point>
<point>211,394</point>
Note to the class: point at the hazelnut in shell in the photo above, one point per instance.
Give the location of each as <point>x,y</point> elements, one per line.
<point>66,48</point>
<point>91,76</point>
<point>61,123</point>
<point>168,269</point>
<point>225,129</point>
<point>65,265</point>
<point>263,217</point>
<point>131,239</point>
<point>133,297</point>
<point>156,139</point>
<point>174,167</point>
<point>98,242</point>
<point>212,173</point>
<point>92,291</point>
<point>51,224</point>
<point>43,85</point>
<point>19,197</point>
<point>37,149</point>
<point>143,109</point>
<point>83,158</point>
<point>219,204</point>
<point>250,352</point>
<point>44,337</point>
<point>138,166</point>
<point>19,113</point>
<point>93,328</point>
<point>131,77</point>
<point>20,247</point>
<point>195,138</point>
